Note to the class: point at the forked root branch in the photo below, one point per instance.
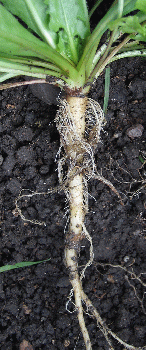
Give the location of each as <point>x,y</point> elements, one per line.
<point>102,326</point>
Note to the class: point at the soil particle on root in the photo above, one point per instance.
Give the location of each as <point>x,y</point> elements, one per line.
<point>33,299</point>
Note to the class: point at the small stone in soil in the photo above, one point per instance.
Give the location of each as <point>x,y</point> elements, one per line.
<point>25,345</point>
<point>135,131</point>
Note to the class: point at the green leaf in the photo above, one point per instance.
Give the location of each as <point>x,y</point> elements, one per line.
<point>131,25</point>
<point>63,25</point>
<point>120,7</point>
<point>94,8</point>
<point>21,264</point>
<point>141,159</point>
<point>17,41</point>
<point>33,13</point>
<point>5,76</point>
<point>141,5</point>
<point>14,39</point>
<point>133,53</point>
<point>102,26</point>
<point>129,6</point>
<point>106,89</point>
<point>69,20</point>
<point>21,67</point>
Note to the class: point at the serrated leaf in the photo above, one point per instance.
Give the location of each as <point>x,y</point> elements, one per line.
<point>130,25</point>
<point>69,20</point>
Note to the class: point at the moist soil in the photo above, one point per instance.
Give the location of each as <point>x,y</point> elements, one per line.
<point>33,299</point>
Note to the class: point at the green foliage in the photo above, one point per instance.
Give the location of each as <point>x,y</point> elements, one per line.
<point>141,159</point>
<point>131,25</point>
<point>21,264</point>
<point>33,13</point>
<point>94,8</point>
<point>141,5</point>
<point>63,25</point>
<point>106,89</point>
<point>14,38</point>
<point>69,21</point>
<point>56,40</point>
<point>135,24</point>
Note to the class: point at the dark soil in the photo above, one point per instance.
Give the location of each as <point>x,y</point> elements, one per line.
<point>33,299</point>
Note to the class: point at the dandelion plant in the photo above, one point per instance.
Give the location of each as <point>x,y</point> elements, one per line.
<point>52,41</point>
